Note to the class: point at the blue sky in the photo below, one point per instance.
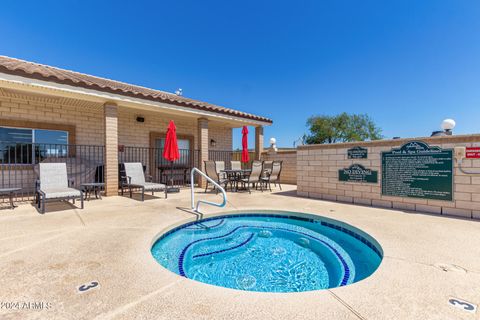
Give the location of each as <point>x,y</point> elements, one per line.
<point>407,63</point>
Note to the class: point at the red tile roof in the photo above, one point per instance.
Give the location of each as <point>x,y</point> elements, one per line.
<point>47,73</point>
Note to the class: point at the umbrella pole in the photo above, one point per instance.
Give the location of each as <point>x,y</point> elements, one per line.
<point>172,189</point>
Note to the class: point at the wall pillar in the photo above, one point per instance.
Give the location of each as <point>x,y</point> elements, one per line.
<point>111,149</point>
<point>203,144</point>
<point>258,142</point>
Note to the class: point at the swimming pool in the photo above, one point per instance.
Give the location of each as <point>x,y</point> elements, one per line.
<point>269,252</point>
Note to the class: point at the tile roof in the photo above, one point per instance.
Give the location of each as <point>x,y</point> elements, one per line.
<point>47,73</point>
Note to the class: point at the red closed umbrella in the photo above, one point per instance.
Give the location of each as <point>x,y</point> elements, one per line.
<point>170,149</point>
<point>245,156</point>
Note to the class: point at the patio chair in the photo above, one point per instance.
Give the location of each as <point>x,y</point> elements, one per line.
<point>54,185</point>
<point>212,172</point>
<point>267,168</point>
<point>219,166</point>
<point>274,175</point>
<point>136,179</point>
<point>254,178</point>
<point>236,165</point>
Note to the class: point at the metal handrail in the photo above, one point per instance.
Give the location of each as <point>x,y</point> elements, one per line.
<point>195,208</point>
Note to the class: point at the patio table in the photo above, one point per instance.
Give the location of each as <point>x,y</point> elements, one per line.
<point>10,192</point>
<point>95,187</point>
<point>234,176</point>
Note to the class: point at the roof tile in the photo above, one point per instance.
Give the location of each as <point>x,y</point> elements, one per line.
<point>47,73</point>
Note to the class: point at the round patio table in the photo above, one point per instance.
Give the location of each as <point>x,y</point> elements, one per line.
<point>95,187</point>
<point>10,192</point>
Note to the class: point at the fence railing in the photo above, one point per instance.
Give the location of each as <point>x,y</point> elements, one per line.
<point>85,163</point>
<point>157,167</point>
<point>19,164</point>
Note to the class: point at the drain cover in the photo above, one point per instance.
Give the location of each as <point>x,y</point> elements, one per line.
<point>246,282</point>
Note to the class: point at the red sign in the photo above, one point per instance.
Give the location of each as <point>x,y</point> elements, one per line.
<point>473,153</point>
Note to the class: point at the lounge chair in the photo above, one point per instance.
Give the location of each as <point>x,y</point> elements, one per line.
<point>254,178</point>
<point>136,179</point>
<point>54,185</point>
<point>274,175</point>
<point>212,172</point>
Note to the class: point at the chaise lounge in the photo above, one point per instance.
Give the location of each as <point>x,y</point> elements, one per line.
<point>55,185</point>
<point>136,179</point>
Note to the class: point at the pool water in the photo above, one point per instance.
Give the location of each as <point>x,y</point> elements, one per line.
<point>269,252</point>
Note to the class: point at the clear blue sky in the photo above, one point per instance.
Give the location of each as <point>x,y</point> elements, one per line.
<point>407,63</point>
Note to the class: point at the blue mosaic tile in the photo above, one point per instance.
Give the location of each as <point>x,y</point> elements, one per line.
<point>346,275</point>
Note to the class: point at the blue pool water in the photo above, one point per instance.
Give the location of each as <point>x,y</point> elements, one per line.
<point>269,253</point>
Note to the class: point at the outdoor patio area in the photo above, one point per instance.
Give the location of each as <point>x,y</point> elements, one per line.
<point>427,260</point>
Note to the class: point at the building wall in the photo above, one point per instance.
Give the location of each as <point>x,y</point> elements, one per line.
<point>87,117</point>
<point>317,176</point>
<point>133,133</point>
<point>88,120</point>
<point>289,165</point>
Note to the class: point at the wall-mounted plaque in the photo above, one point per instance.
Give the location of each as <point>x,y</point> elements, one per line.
<point>417,170</point>
<point>357,173</point>
<point>357,153</point>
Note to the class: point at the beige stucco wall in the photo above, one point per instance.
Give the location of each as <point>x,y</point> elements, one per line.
<point>289,164</point>
<point>317,177</point>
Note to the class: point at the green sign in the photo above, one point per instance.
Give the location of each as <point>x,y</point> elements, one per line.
<point>357,153</point>
<point>417,170</point>
<point>357,173</point>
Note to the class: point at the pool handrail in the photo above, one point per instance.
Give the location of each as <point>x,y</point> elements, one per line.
<point>192,187</point>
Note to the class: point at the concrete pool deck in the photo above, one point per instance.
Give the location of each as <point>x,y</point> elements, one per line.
<point>45,258</point>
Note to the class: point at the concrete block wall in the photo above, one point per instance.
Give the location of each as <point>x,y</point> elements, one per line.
<point>289,165</point>
<point>133,133</point>
<point>87,117</point>
<point>317,177</point>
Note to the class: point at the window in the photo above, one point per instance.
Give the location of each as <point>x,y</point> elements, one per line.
<point>27,146</point>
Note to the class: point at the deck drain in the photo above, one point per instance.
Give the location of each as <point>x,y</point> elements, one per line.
<point>246,282</point>
<point>450,267</point>
<point>88,286</point>
<point>462,305</point>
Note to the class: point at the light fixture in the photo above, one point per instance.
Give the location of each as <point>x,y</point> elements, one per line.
<point>213,143</point>
<point>273,144</point>
<point>448,125</point>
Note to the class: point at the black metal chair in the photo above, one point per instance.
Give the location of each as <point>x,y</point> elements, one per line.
<point>273,175</point>
<point>212,172</point>
<point>254,178</point>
